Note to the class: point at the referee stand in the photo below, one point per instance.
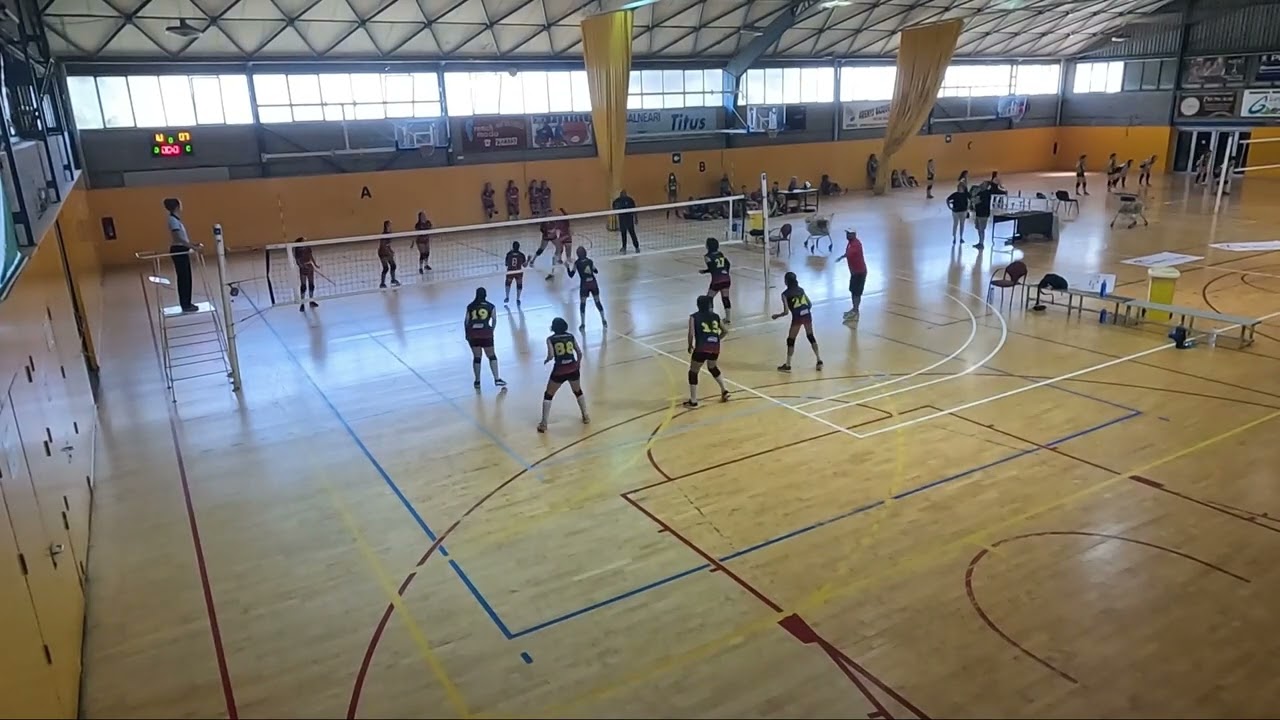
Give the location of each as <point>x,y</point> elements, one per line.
<point>191,344</point>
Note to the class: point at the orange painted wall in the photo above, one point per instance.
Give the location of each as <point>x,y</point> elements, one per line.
<point>1265,153</point>
<point>1134,143</point>
<point>254,213</point>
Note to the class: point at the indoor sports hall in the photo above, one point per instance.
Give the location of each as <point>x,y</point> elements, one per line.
<point>264,452</point>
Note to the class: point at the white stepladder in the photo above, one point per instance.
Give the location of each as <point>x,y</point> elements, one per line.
<point>200,343</point>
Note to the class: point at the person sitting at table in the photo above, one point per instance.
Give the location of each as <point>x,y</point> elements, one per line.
<point>895,180</point>
<point>794,184</point>
<point>827,187</point>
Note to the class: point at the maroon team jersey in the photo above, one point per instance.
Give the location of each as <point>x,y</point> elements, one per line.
<point>563,354</point>
<point>480,320</point>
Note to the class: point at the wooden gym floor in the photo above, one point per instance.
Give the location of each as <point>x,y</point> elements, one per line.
<point>966,513</point>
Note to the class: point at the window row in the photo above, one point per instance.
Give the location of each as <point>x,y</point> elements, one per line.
<point>521,93</point>
<point>1098,77</point>
<point>658,89</point>
<point>159,101</point>
<point>177,100</point>
<point>346,96</point>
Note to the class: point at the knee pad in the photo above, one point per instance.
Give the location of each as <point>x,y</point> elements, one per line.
<point>791,342</point>
<point>812,339</point>
<point>475,361</point>
<point>493,356</point>
<point>725,300</point>
<point>693,377</point>
<point>577,393</point>
<point>546,396</point>
<point>715,372</point>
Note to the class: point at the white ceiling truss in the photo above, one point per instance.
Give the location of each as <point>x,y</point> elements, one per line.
<point>548,29</point>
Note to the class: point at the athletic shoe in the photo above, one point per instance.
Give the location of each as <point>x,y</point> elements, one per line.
<point>500,382</point>
<point>382,286</point>
<point>302,307</point>
<point>476,384</point>
<point>315,304</point>
<point>819,367</point>
<point>690,404</point>
<point>395,283</point>
<point>586,419</point>
<point>420,271</point>
<point>784,367</point>
<point>542,427</point>
<point>724,396</point>
<point>427,267</point>
<point>978,245</point>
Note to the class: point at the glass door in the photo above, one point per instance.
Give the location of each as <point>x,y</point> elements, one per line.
<point>1182,151</point>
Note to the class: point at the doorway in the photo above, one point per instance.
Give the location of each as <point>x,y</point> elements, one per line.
<point>1193,143</point>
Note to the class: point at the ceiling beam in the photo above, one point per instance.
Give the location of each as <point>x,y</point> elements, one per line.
<point>770,35</point>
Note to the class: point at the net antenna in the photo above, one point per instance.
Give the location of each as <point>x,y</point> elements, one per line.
<point>1234,148</point>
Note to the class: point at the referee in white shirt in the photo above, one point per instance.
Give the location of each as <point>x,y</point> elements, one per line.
<point>181,247</point>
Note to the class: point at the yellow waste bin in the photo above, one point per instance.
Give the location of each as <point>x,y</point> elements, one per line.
<point>1161,283</point>
<point>755,226</point>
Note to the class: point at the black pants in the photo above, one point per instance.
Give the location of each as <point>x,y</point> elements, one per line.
<point>628,228</point>
<point>182,267</point>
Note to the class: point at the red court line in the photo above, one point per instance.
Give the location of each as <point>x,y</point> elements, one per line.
<point>973,600</point>
<point>794,624</point>
<point>224,674</point>
<point>1248,516</point>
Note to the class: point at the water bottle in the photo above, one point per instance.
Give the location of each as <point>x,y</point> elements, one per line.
<point>1102,291</point>
<point>1102,316</point>
<point>1213,339</point>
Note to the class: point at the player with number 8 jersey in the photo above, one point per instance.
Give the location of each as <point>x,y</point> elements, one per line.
<point>478,324</point>
<point>705,333</point>
<point>563,350</point>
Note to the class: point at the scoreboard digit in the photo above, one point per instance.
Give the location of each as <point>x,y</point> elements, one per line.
<point>175,143</point>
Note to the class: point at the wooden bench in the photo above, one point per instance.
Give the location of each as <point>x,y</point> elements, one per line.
<point>1187,317</point>
<point>1076,298</point>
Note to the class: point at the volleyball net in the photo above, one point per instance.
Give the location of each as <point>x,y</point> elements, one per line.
<point>353,265</point>
<point>1235,163</point>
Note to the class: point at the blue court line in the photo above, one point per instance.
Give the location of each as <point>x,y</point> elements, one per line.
<point>386,477</point>
<point>814,526</point>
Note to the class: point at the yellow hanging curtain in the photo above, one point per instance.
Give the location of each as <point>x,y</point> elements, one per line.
<point>923,55</point>
<point>606,46</point>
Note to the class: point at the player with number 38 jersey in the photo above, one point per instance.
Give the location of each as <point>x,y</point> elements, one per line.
<point>718,269</point>
<point>478,323</point>
<point>563,350</point>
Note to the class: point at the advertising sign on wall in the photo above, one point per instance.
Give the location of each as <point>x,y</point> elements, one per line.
<point>1268,68</point>
<point>1215,70</point>
<point>1260,104</point>
<point>564,130</point>
<point>484,134</point>
<point>1207,105</point>
<point>642,122</point>
<point>864,114</point>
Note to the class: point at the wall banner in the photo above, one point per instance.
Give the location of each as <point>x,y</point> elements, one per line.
<point>1013,107</point>
<point>486,134</point>
<point>864,114</point>
<point>1215,70</point>
<point>1268,68</point>
<point>642,122</point>
<point>1260,104</point>
<point>562,130</point>
<point>1207,105</point>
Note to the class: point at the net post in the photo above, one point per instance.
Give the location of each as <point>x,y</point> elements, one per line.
<point>764,237</point>
<point>228,320</point>
<point>1226,168</point>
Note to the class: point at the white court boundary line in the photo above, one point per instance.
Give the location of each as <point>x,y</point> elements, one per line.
<point>1042,383</point>
<point>812,416</point>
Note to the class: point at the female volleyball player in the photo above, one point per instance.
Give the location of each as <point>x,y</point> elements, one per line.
<point>486,201</point>
<point>307,266</point>
<point>795,301</point>
<point>387,256</point>
<point>423,241</point>
<point>563,349</point>
<point>718,268</point>
<point>564,242</point>
<point>705,333</point>
<point>513,201</point>
<point>589,286</point>
<point>516,262</point>
<point>478,326</point>
<point>673,191</point>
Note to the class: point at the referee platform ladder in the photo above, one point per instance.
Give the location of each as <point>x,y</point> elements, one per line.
<point>191,344</point>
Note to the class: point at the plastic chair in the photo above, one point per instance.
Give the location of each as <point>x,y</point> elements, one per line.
<point>1065,200</point>
<point>818,227</point>
<point>782,236</point>
<point>1014,274</point>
